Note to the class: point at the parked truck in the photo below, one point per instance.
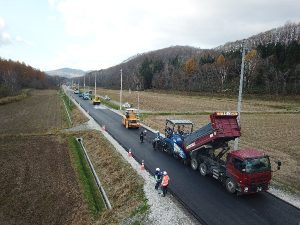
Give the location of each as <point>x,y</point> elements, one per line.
<point>243,171</point>
<point>131,118</point>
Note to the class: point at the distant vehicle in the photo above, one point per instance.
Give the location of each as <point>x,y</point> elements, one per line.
<point>86,96</point>
<point>80,94</point>
<point>76,91</point>
<point>106,98</point>
<point>126,105</point>
<point>131,118</point>
<point>96,100</point>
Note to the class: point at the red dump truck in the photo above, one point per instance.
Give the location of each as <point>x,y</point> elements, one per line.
<point>243,171</point>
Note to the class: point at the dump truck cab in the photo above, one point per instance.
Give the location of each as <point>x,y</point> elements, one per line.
<point>249,171</point>
<point>131,118</point>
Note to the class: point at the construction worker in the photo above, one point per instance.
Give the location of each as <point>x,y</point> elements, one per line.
<point>142,136</point>
<point>165,183</point>
<point>158,177</point>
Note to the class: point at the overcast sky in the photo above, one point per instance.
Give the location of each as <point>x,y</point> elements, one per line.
<point>96,34</point>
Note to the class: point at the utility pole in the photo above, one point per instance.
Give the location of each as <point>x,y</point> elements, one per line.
<point>84,82</point>
<point>95,85</point>
<point>239,106</point>
<point>138,101</point>
<point>138,96</point>
<point>121,91</point>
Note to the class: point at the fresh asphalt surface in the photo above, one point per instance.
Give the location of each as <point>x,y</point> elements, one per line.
<point>205,197</point>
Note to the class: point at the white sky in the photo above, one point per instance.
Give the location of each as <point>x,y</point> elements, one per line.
<point>96,34</point>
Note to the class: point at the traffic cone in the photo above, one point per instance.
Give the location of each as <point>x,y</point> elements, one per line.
<point>129,153</point>
<point>142,166</point>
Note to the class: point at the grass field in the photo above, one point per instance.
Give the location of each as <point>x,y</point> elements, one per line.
<point>179,103</point>
<point>271,125</point>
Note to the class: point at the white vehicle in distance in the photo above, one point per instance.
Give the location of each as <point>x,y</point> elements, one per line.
<point>106,98</point>
<point>126,105</point>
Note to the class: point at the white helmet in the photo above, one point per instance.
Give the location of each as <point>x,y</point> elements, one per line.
<point>157,169</point>
<point>165,173</point>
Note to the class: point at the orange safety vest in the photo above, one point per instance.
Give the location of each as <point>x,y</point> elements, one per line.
<point>165,180</point>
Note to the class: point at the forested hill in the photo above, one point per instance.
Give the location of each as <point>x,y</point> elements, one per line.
<point>272,66</point>
<point>14,76</point>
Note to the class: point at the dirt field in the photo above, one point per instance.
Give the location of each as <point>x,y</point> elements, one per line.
<point>39,113</point>
<point>38,183</point>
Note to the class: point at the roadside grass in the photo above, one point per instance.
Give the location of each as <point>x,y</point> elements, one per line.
<point>90,191</point>
<point>68,102</point>
<point>6,100</point>
<point>122,184</point>
<point>68,106</point>
<point>110,104</point>
<point>77,118</point>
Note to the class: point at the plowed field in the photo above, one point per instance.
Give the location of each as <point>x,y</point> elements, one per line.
<point>38,184</point>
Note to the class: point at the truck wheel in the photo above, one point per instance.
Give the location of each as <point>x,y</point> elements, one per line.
<point>194,164</point>
<point>155,146</point>
<point>203,169</point>
<point>230,185</point>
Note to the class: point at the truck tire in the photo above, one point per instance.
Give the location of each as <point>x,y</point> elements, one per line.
<point>230,185</point>
<point>194,164</point>
<point>203,169</point>
<point>154,146</point>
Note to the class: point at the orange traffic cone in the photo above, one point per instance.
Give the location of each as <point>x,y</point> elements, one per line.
<point>129,153</point>
<point>142,166</point>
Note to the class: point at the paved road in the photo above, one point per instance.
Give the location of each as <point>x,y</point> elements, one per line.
<point>206,197</point>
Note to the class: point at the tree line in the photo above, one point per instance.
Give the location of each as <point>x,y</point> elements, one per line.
<point>272,66</point>
<point>15,76</point>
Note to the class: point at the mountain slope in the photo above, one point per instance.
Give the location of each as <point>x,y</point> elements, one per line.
<point>66,72</point>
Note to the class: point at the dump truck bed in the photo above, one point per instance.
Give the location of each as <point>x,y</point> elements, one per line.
<point>223,127</point>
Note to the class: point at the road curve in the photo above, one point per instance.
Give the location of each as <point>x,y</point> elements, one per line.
<point>205,197</point>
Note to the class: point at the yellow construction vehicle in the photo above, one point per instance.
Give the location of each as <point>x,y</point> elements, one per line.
<point>96,100</point>
<point>131,118</point>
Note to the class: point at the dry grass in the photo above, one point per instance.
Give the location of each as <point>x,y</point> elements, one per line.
<point>122,184</point>
<point>77,117</point>
<point>163,102</point>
